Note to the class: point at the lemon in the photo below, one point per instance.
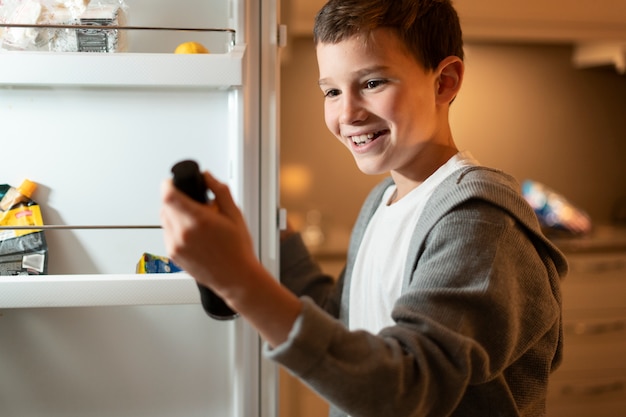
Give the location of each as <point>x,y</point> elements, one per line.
<point>191,48</point>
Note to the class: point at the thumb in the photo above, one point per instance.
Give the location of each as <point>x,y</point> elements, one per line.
<point>223,197</point>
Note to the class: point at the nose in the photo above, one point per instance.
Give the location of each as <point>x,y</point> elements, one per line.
<point>352,109</point>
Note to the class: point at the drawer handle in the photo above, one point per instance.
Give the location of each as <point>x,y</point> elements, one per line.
<point>582,328</point>
<point>602,267</point>
<point>593,390</point>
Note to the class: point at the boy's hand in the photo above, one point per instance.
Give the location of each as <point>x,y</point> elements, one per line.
<point>210,242</point>
<point>215,247</point>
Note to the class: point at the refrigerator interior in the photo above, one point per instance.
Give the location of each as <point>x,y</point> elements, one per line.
<point>99,156</point>
<point>116,361</point>
<point>92,337</point>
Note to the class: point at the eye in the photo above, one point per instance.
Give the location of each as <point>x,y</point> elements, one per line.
<point>331,93</point>
<point>371,84</point>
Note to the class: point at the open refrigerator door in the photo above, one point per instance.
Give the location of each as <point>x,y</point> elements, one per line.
<point>98,131</point>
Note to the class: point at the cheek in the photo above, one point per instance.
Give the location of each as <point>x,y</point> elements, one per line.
<point>330,119</point>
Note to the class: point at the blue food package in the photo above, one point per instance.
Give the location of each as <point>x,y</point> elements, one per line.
<point>553,210</point>
<point>154,264</point>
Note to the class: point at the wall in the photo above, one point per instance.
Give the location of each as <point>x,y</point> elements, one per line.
<point>523,108</point>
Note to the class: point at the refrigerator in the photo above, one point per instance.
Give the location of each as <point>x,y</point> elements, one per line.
<point>99,132</point>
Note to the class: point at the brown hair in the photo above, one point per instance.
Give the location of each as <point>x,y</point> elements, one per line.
<point>430,29</point>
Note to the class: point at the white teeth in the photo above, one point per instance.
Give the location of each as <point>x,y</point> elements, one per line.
<point>362,139</point>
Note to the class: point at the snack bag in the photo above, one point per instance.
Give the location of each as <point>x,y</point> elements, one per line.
<point>23,251</point>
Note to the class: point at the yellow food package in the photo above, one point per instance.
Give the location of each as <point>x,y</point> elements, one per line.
<point>154,264</point>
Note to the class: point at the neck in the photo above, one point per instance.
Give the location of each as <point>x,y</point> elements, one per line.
<point>428,161</point>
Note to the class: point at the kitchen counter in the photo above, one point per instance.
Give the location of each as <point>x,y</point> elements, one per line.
<point>603,238</point>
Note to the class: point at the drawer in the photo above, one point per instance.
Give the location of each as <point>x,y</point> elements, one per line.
<point>594,339</point>
<point>594,326</point>
<point>593,356</point>
<point>594,394</point>
<point>597,266</point>
<point>595,281</point>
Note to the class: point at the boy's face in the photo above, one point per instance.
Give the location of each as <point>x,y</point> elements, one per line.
<point>380,102</point>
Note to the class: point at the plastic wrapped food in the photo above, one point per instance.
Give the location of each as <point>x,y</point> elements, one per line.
<point>41,14</point>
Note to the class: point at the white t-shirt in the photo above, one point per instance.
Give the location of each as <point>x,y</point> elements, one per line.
<point>377,276</point>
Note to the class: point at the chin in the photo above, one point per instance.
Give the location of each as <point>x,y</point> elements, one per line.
<point>368,169</point>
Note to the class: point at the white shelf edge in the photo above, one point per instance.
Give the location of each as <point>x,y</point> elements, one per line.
<point>22,68</point>
<point>96,290</point>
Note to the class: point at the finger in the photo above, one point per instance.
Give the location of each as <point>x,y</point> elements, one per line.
<point>223,197</point>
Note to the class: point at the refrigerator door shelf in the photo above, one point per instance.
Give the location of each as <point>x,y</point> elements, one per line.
<point>97,290</point>
<point>215,71</point>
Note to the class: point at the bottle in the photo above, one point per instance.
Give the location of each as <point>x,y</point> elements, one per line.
<point>188,179</point>
<point>15,196</point>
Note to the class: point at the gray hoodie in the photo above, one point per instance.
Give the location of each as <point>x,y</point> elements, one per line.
<point>477,327</point>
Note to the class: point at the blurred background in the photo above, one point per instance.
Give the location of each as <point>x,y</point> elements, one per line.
<point>544,98</point>
<point>525,107</point>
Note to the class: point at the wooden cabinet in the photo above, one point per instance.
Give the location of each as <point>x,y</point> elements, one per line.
<point>536,20</point>
<point>592,379</point>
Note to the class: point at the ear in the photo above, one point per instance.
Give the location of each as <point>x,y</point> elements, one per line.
<point>449,80</point>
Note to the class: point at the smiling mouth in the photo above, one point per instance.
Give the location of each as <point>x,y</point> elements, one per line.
<point>361,140</point>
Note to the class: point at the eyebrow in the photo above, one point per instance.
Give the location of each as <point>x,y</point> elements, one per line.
<point>360,73</point>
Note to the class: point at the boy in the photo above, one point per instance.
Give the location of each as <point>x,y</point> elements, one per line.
<point>449,304</point>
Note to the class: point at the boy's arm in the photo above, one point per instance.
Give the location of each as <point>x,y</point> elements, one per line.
<point>303,276</point>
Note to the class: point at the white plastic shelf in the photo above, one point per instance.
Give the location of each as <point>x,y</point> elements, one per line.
<point>21,68</point>
<point>97,290</point>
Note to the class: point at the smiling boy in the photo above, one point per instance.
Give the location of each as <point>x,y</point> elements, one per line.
<point>449,304</point>
<point>379,102</point>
